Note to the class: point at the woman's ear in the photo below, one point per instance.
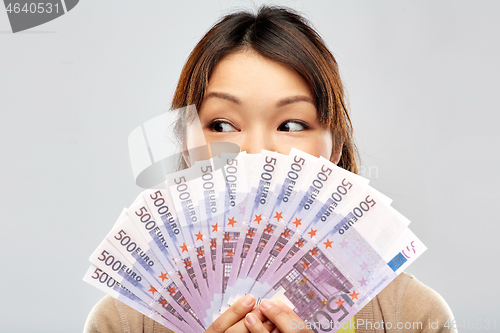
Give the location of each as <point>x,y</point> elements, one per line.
<point>185,157</point>
<point>336,150</point>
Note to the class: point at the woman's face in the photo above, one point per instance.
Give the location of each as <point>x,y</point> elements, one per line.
<point>257,103</point>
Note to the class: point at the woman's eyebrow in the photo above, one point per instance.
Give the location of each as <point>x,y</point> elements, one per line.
<point>294,99</point>
<point>222,95</point>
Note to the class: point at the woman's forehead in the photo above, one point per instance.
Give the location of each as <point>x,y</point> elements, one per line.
<point>246,76</point>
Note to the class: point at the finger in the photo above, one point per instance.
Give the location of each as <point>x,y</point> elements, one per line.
<point>254,324</point>
<point>269,325</point>
<point>294,318</point>
<point>232,315</point>
<point>288,310</point>
<point>277,315</point>
<point>240,326</point>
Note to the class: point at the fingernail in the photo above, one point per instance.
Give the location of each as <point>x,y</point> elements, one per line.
<point>250,319</point>
<point>276,330</point>
<point>248,300</point>
<point>265,304</point>
<point>270,323</point>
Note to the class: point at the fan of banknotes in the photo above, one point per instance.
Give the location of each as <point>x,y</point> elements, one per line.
<point>291,227</point>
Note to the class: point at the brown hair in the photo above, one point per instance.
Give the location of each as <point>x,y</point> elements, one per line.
<point>284,36</point>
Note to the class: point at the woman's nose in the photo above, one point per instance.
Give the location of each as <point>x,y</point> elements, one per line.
<point>257,140</point>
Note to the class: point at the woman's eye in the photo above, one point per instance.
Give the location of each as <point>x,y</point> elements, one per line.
<point>292,126</point>
<point>222,126</point>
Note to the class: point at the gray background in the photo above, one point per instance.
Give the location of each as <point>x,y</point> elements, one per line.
<point>423,80</point>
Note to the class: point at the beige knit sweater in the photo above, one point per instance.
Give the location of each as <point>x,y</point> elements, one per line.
<point>405,305</point>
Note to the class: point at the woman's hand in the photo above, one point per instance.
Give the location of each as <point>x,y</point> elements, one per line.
<point>285,319</point>
<point>233,320</point>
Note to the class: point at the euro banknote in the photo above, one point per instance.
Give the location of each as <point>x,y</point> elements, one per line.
<point>292,227</point>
